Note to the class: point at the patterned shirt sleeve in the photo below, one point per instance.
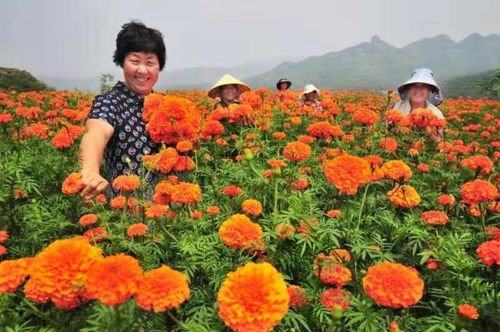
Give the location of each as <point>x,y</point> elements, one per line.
<point>103,108</point>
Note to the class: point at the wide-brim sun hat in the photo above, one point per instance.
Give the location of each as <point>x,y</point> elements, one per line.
<point>284,80</point>
<point>308,89</point>
<point>227,79</point>
<point>425,76</point>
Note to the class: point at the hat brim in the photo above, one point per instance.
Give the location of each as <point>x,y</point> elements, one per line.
<point>214,92</point>
<point>403,87</point>
<point>288,84</point>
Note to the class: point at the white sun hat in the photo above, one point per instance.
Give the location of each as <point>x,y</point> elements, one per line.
<point>308,89</point>
<point>426,76</point>
<point>227,80</point>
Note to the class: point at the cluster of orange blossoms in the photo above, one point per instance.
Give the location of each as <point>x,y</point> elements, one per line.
<point>70,272</point>
<point>347,173</point>
<point>240,232</point>
<point>171,119</point>
<point>253,298</point>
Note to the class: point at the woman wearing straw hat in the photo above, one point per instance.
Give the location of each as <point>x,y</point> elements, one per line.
<point>310,97</point>
<point>228,89</point>
<point>420,91</point>
<point>283,84</point>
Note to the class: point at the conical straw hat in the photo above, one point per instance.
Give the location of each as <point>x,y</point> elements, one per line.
<point>227,80</point>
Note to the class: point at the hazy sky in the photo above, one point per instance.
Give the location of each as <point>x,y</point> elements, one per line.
<point>73,38</point>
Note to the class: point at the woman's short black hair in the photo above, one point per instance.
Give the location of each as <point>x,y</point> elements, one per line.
<point>136,37</point>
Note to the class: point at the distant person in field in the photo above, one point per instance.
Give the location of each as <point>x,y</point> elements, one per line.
<point>309,97</point>
<point>420,91</point>
<point>283,84</point>
<point>115,128</point>
<point>228,89</point>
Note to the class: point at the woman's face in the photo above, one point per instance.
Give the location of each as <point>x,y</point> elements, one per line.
<point>229,92</point>
<point>418,93</point>
<point>311,97</point>
<point>141,71</point>
<point>283,86</point>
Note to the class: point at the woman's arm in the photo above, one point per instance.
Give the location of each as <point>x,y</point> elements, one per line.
<point>91,151</point>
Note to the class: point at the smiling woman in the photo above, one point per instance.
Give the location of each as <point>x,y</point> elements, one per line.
<point>115,128</point>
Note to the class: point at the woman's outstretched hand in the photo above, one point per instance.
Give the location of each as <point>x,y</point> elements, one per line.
<point>94,184</point>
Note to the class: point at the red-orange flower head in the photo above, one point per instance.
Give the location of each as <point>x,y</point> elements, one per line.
<point>330,271</point>
<point>365,116</point>
<point>58,272</point>
<point>335,298</point>
<point>434,217</point>
<point>393,285</point>
<point>422,117</point>
<point>481,164</point>
<point>13,273</point>
<point>126,182</point>
<point>253,298</point>
<point>478,191</point>
<point>297,151</point>
<point>186,193</point>
<point>240,232</point>
<point>467,311</point>
<point>72,184</point>
<point>298,296</point>
<point>489,252</point>
<point>171,119</point>
<point>396,170</point>
<point>252,207</point>
<point>162,289</point>
<point>404,196</point>
<point>347,173</point>
<point>113,279</point>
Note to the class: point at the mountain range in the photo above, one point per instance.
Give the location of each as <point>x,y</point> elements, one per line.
<point>374,64</point>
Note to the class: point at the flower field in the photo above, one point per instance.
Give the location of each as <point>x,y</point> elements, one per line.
<point>270,215</point>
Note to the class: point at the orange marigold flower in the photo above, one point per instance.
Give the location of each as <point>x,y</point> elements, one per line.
<point>394,115</point>
<point>252,207</point>
<point>232,191</point>
<point>347,173</point>
<point>365,116</point>
<point>393,285</point>
<point>467,311</point>
<point>4,236</point>
<point>389,144</point>
<point>58,272</point>
<point>72,184</point>
<point>239,232</point>
<point>114,279</point>
<point>284,230</point>
<point>300,184</point>
<point>186,193</point>
<point>3,250</point>
<point>276,163</point>
<point>118,202</point>
<point>330,271</point>
<point>298,296</point>
<point>138,229</point>
<point>126,182</point>
<point>88,219</point>
<point>404,196</point>
<point>156,211</point>
<point>396,170</point>
<point>481,164</point>
<point>253,298</point>
<point>13,273</point>
<point>213,210</point>
<point>489,252</point>
<point>96,235</point>
<point>335,297</point>
<point>445,200</point>
<point>493,233</point>
<point>478,191</point>
<point>297,151</point>
<point>162,289</point>
<point>334,213</point>
<point>196,214</point>
<point>434,218</point>
<point>184,146</point>
<point>164,161</point>
<point>422,117</point>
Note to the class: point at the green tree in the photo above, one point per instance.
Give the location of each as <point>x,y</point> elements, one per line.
<point>106,82</point>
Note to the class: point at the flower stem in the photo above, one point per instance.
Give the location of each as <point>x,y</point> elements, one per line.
<point>362,206</point>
